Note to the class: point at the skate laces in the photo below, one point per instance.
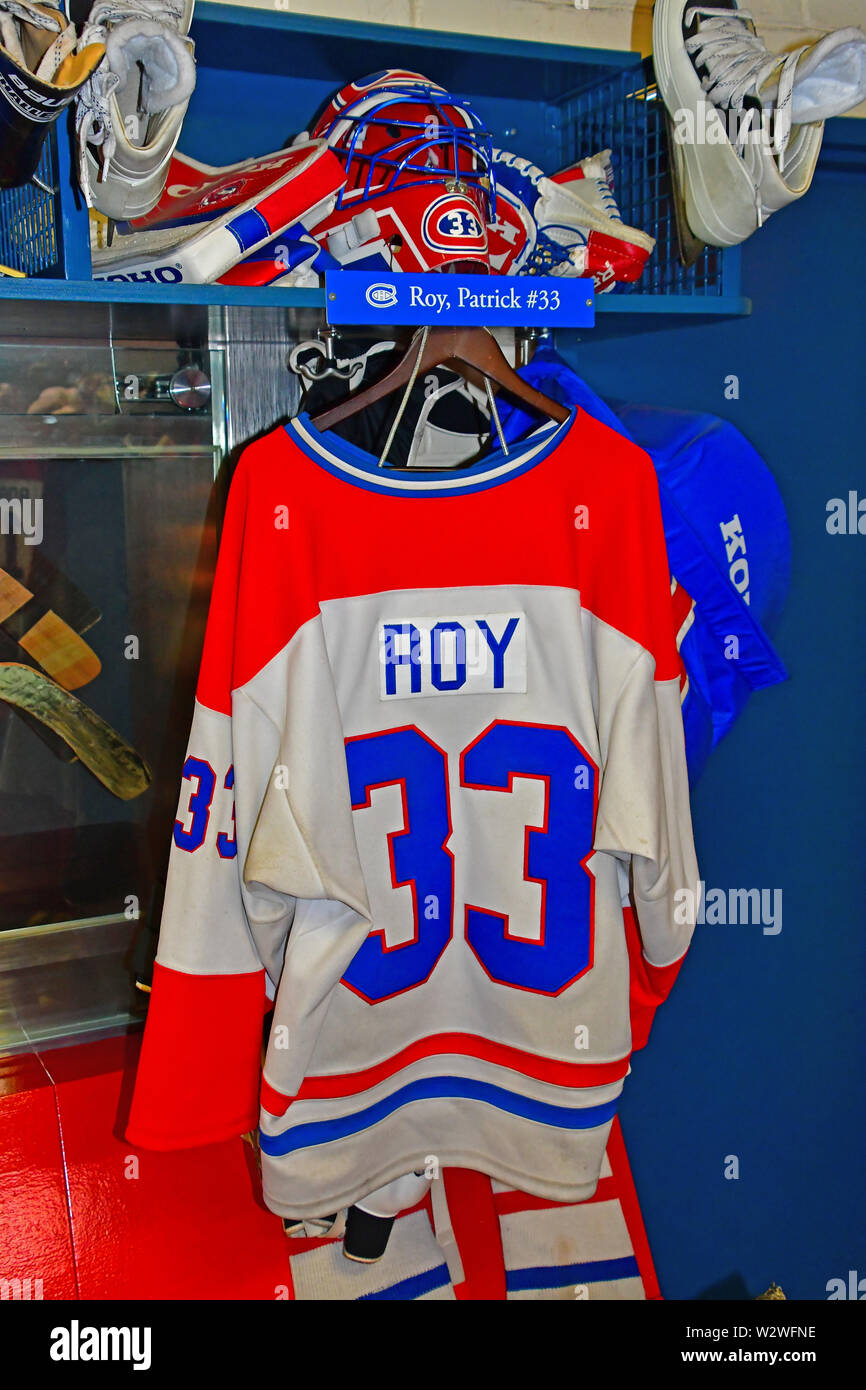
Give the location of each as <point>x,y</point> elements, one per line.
<point>17,12</point>
<point>94,126</point>
<point>603,183</point>
<point>738,64</point>
<point>94,117</point>
<point>607,200</point>
<point>25,13</point>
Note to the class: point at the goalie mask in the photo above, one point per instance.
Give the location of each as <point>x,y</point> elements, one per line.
<point>419,189</point>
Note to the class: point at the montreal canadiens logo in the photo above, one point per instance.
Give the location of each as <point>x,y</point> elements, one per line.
<point>451,224</point>
<point>380,295</point>
<point>220,195</point>
<point>213,197</point>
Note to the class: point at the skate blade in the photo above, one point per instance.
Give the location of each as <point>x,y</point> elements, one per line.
<point>690,246</point>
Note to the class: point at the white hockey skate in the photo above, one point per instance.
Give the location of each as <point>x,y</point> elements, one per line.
<point>129,115</point>
<point>747,124</point>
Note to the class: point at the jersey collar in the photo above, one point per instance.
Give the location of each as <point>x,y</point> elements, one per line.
<point>345,460</point>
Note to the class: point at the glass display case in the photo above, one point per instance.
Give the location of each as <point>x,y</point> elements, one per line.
<point>112,436</point>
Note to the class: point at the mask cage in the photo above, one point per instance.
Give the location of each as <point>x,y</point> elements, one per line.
<point>405,157</point>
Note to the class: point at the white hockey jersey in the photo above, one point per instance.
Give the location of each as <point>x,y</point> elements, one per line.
<point>435,807</point>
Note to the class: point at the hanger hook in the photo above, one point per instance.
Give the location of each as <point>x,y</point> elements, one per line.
<point>425,333</point>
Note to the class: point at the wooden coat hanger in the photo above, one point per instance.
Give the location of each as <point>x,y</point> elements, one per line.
<point>464,347</point>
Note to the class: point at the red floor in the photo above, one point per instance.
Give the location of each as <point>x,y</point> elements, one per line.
<point>94,1219</point>
<point>85,1216</point>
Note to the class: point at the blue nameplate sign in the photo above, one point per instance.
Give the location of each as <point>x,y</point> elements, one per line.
<point>516,301</point>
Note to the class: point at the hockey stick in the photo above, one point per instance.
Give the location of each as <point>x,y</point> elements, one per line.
<point>108,756</point>
<point>10,652</point>
<point>56,590</point>
<point>45,636</point>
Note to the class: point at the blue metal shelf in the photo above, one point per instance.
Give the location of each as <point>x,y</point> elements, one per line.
<point>262,74</point>
<point>102,292</point>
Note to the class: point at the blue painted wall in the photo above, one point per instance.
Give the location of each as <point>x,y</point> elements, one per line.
<point>760,1050</point>
<point>273,71</point>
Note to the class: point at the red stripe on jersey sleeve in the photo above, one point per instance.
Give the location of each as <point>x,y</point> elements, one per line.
<point>217,1020</point>
<point>649,986</point>
<point>216,672</point>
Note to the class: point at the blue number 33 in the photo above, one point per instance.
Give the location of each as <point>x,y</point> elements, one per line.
<point>554,853</point>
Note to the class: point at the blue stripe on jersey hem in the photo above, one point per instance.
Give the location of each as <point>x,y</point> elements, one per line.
<point>474,478</point>
<point>413,1287</point>
<point>436,1088</point>
<point>558,1276</point>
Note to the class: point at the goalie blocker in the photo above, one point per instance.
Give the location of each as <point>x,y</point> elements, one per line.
<point>304,192</point>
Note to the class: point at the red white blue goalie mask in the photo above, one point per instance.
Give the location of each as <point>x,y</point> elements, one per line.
<point>419,191</point>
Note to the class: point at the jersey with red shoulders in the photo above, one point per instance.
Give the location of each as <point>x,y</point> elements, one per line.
<point>437,746</point>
